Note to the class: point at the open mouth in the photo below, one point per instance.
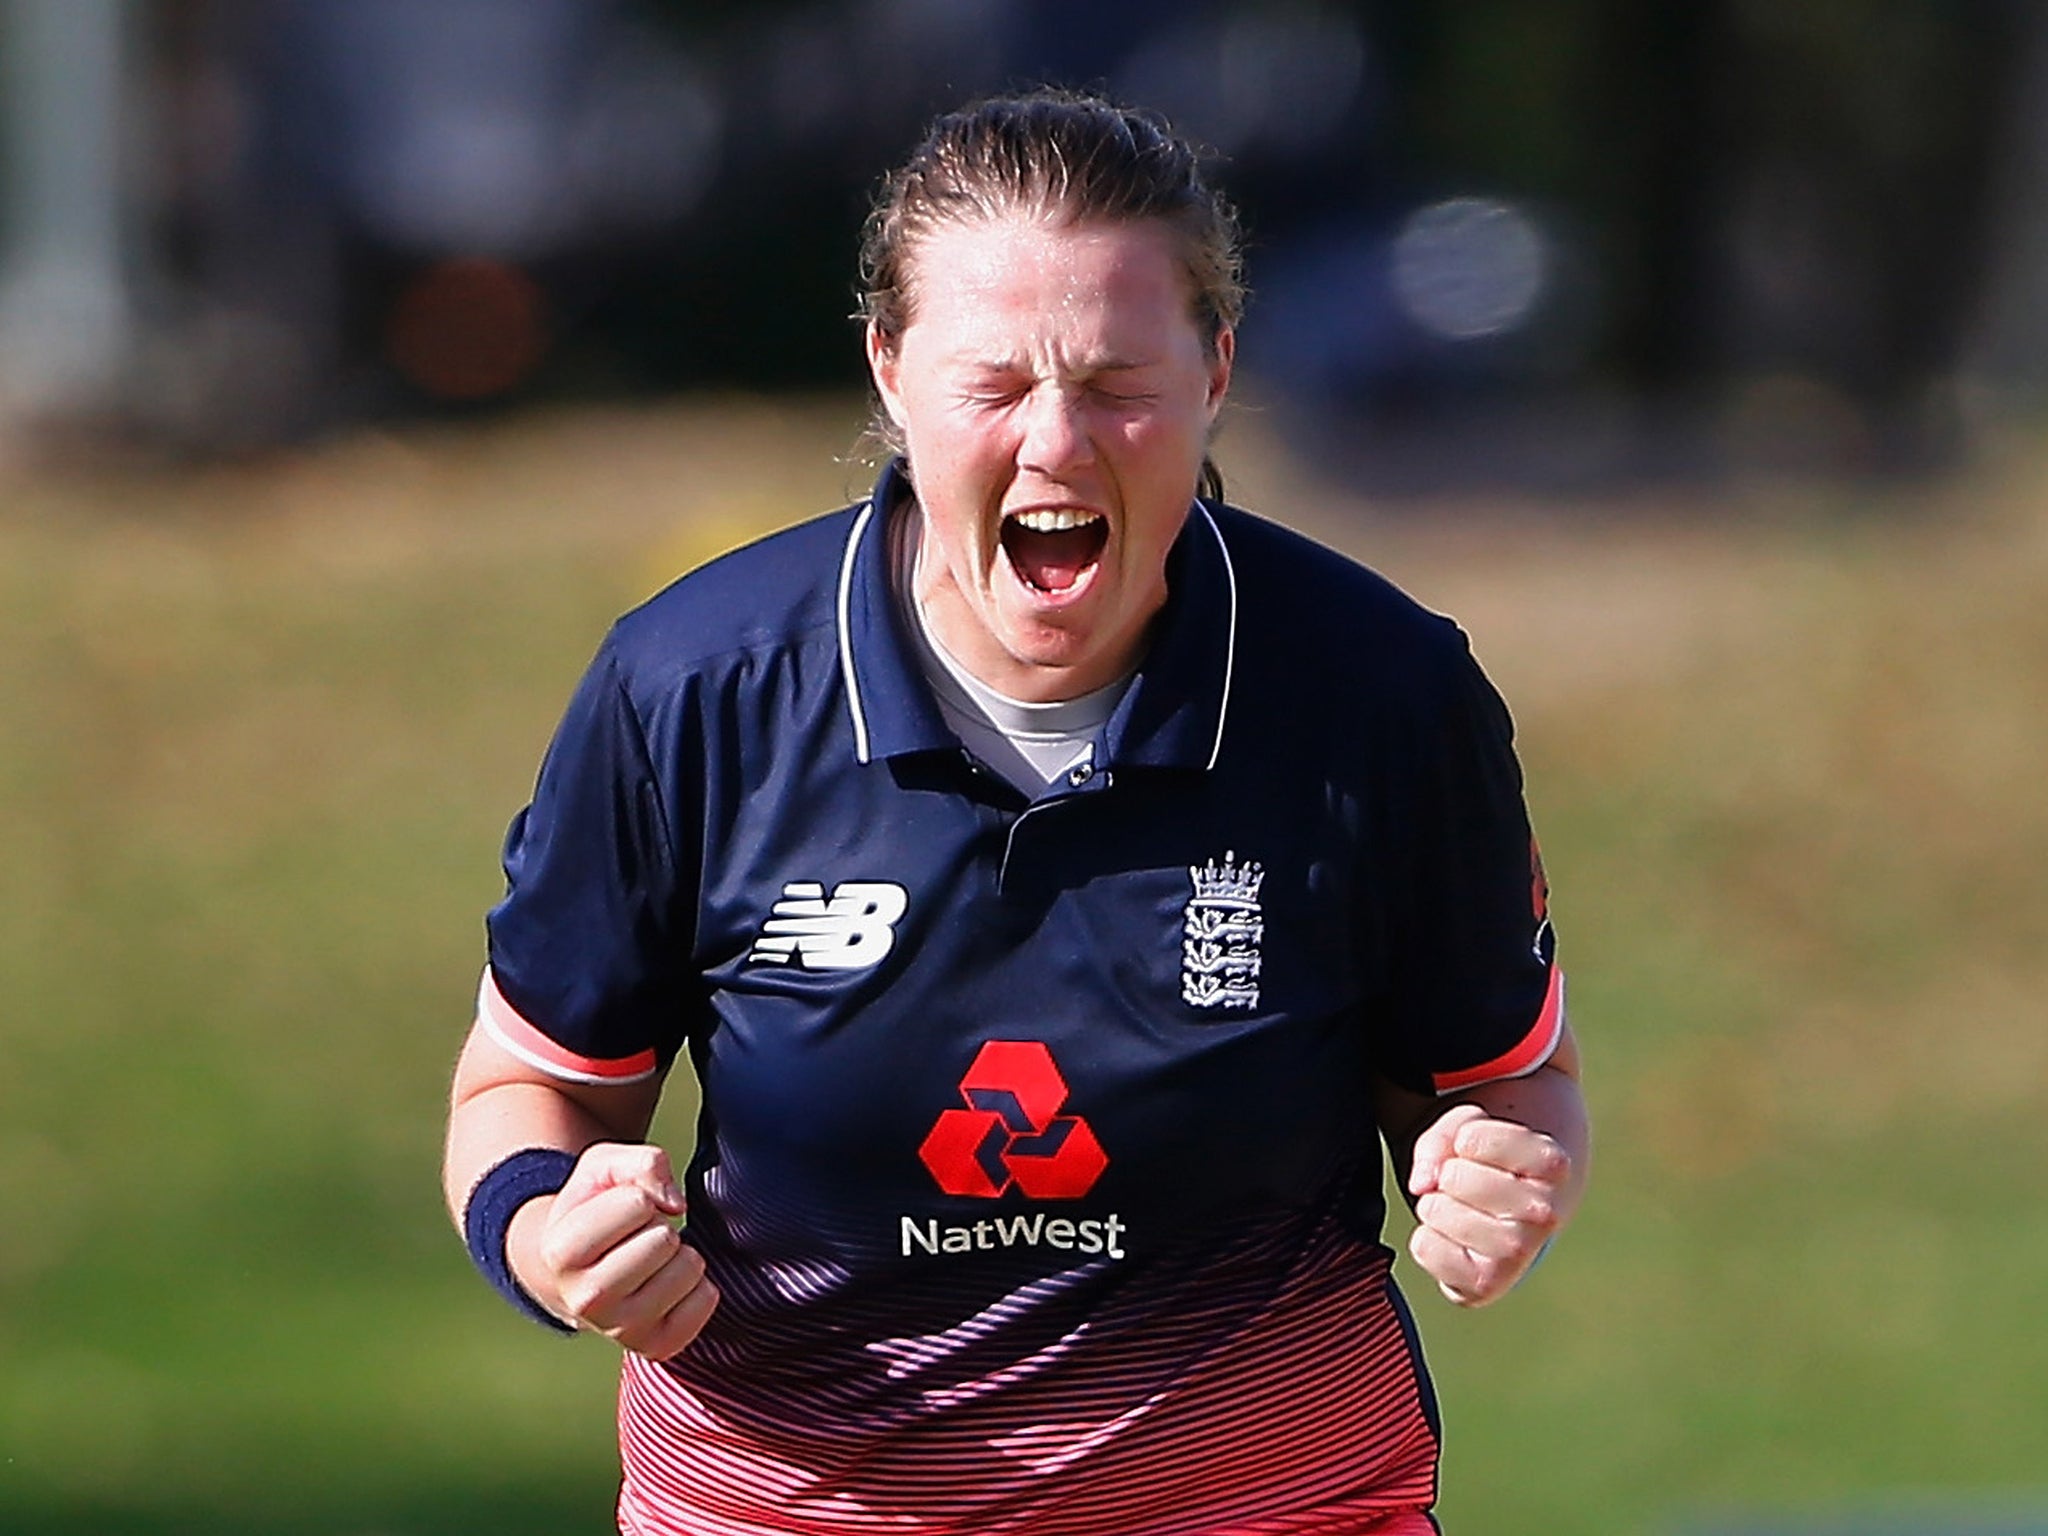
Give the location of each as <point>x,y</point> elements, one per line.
<point>1053,549</point>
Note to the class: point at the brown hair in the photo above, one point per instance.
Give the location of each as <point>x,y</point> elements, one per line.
<point>1062,155</point>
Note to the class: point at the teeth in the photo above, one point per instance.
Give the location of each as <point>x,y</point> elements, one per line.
<point>1055,519</point>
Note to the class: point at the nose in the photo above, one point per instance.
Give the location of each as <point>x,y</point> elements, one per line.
<point>1056,435</point>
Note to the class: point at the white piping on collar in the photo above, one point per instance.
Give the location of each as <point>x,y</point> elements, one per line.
<point>853,703</point>
<point>1230,650</point>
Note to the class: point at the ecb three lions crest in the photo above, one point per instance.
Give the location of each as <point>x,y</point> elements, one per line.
<point>1221,931</point>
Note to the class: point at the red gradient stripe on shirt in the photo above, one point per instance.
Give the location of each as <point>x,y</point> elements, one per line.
<point>1310,1423</point>
<point>506,1025</point>
<point>1528,1054</point>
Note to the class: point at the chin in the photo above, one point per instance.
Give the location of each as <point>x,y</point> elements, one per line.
<point>1057,649</point>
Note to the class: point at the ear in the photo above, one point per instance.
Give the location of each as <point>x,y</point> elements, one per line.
<point>1219,368</point>
<point>885,366</point>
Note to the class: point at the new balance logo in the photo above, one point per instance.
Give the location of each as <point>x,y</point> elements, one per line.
<point>848,931</point>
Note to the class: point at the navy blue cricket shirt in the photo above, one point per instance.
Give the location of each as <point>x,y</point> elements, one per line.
<point>1036,1153</point>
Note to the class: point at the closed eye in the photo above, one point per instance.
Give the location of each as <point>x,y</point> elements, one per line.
<point>993,395</point>
<point>1131,383</point>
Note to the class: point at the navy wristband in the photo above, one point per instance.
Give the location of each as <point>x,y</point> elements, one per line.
<point>485,1220</point>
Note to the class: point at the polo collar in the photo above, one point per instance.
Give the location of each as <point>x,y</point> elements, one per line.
<point>1178,704</point>
<point>890,704</point>
<point>1172,715</point>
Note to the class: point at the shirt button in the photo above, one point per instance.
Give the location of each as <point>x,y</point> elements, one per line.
<point>1080,774</point>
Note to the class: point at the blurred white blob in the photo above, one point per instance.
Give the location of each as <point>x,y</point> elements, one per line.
<point>510,129</point>
<point>64,300</point>
<point>1470,267</point>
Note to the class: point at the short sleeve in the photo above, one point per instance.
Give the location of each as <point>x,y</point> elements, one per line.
<point>587,977</point>
<point>1473,990</point>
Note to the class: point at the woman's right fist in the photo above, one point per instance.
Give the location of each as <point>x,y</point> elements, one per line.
<point>601,1253</point>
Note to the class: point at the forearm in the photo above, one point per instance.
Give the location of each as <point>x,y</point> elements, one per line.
<point>498,1106</point>
<point>492,1124</point>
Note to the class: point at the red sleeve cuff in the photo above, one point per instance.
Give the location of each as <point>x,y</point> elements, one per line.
<point>1525,1056</point>
<point>504,1024</point>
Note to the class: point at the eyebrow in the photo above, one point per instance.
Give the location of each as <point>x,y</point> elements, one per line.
<point>1113,363</point>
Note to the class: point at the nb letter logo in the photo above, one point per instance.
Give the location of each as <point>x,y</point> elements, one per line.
<point>1011,1132</point>
<point>848,931</point>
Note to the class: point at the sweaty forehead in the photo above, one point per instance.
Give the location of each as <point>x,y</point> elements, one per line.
<point>1008,282</point>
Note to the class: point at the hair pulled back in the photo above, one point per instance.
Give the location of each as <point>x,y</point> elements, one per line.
<point>1059,155</point>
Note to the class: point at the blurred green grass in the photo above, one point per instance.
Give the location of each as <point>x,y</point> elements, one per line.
<point>261,727</point>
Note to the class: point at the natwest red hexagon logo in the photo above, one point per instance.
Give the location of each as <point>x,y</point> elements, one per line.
<point>1011,1132</point>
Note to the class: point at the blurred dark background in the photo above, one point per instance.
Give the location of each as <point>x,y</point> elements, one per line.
<point>1563,245</point>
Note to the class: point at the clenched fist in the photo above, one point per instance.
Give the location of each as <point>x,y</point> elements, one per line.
<point>1488,1195</point>
<point>601,1253</point>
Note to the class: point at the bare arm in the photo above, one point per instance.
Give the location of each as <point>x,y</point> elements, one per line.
<point>1493,1173</point>
<point>499,1105</point>
<point>601,1253</point>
